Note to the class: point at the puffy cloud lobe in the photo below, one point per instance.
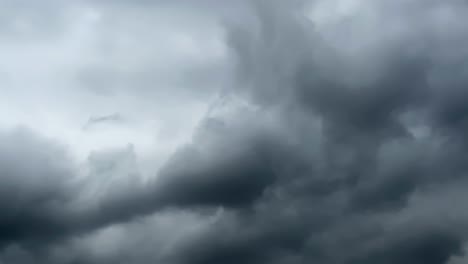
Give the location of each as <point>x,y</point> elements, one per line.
<point>35,177</point>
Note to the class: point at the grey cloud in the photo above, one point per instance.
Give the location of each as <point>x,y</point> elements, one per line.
<point>113,194</point>
<point>352,151</point>
<point>35,186</point>
<point>370,160</point>
<point>108,119</point>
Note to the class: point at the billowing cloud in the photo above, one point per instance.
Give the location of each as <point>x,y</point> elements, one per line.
<point>281,132</point>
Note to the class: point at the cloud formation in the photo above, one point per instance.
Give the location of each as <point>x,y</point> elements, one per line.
<point>276,131</point>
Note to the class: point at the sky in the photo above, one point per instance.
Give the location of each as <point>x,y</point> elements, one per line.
<point>247,131</point>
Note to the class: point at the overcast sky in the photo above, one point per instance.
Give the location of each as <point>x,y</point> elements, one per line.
<point>228,132</point>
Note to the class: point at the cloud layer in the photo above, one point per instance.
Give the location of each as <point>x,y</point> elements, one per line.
<point>263,131</point>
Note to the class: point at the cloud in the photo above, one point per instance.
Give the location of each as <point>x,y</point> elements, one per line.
<point>112,119</point>
<point>331,132</point>
<point>35,184</point>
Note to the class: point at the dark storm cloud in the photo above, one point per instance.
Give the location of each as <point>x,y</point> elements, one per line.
<point>392,121</point>
<point>355,151</point>
<point>46,201</point>
<point>34,186</point>
<point>209,173</point>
